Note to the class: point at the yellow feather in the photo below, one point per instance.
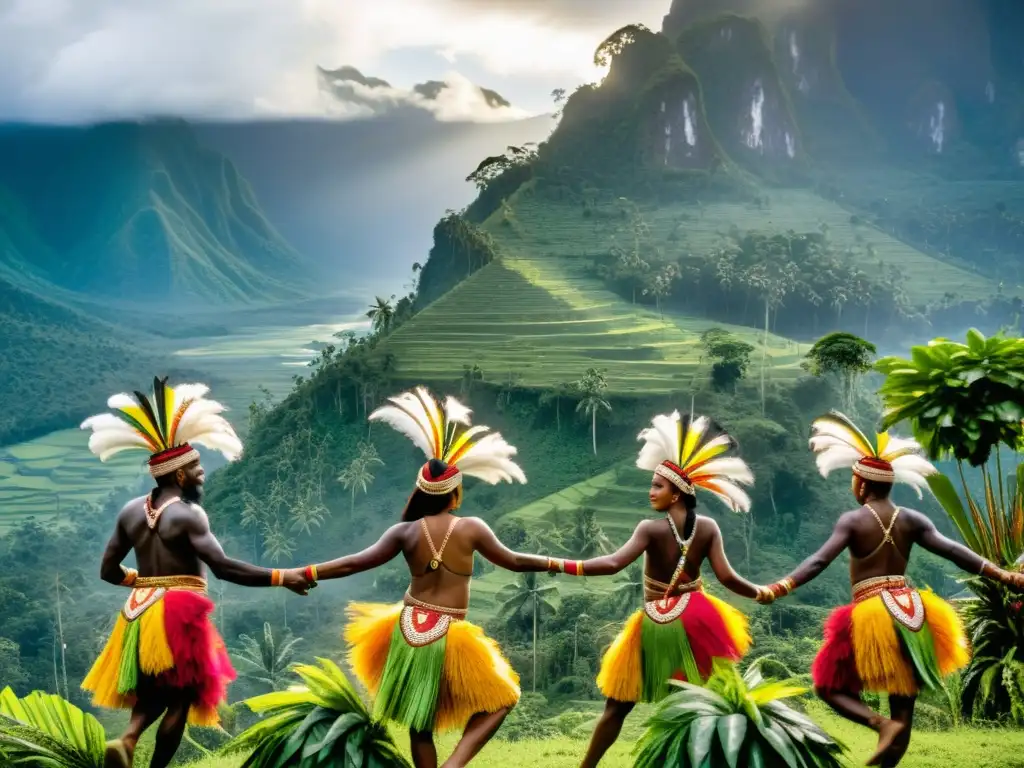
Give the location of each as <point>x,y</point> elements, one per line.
<point>883,441</point>
<point>151,432</point>
<point>436,418</point>
<point>169,400</point>
<point>706,453</point>
<point>689,444</point>
<point>463,444</point>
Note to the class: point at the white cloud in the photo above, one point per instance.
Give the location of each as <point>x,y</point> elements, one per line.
<point>461,100</point>
<point>75,60</point>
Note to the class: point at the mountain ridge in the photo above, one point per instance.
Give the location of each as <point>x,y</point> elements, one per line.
<point>172,219</point>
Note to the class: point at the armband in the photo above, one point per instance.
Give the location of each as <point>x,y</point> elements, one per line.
<point>574,567</point>
<point>276,577</point>
<point>310,574</point>
<point>130,575</point>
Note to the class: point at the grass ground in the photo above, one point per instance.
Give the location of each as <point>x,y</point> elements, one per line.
<point>972,747</point>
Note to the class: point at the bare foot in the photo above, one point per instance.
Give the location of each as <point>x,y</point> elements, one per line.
<point>888,732</point>
<point>117,755</point>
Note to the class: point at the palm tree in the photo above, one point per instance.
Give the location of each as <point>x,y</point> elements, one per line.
<point>526,593</point>
<point>357,476</point>
<point>265,661</point>
<point>587,537</point>
<point>381,314</point>
<point>592,399</point>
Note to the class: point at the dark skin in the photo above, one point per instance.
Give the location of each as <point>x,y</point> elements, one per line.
<point>860,533</point>
<point>443,588</point>
<point>655,540</point>
<point>181,544</point>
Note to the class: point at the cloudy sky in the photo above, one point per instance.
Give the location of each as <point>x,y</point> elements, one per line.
<point>80,60</point>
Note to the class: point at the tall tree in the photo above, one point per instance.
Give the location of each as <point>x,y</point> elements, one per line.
<point>527,593</point>
<point>592,388</point>
<point>357,475</point>
<point>844,355</point>
<point>380,314</point>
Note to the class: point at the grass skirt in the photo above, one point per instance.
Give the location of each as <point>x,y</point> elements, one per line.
<point>691,631</point>
<point>866,649</point>
<point>171,641</point>
<point>426,670</point>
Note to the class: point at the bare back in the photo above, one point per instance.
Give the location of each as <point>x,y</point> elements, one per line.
<point>661,557</point>
<point>881,538</point>
<point>656,542</point>
<point>166,549</point>
<point>450,537</point>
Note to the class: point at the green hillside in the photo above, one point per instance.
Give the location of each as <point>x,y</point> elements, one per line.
<point>131,210</point>
<point>544,321</point>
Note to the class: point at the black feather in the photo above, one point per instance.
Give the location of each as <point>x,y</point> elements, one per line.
<point>160,395</point>
<point>147,408</point>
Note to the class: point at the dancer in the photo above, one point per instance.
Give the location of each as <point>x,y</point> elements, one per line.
<point>681,630</point>
<point>892,638</point>
<point>164,656</point>
<point>428,668</point>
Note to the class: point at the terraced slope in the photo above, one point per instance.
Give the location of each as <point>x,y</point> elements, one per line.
<point>545,321</point>
<point>561,231</point>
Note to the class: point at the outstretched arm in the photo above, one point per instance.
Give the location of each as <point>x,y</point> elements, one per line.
<point>813,566</point>
<point>928,536</point>
<point>117,550</point>
<point>608,565</point>
<point>384,550</point>
<point>209,550</point>
<point>486,542</point>
<point>724,571</point>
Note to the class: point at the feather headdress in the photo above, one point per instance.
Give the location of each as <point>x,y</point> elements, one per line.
<point>165,425</point>
<point>838,442</point>
<point>444,433</point>
<point>691,452</point>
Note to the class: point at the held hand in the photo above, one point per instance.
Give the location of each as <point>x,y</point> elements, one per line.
<point>765,595</point>
<point>295,580</point>
<point>1013,580</point>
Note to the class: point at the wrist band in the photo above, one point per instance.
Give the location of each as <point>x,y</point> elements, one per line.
<point>310,574</point>
<point>574,567</point>
<point>555,565</point>
<point>276,578</point>
<point>783,588</point>
<point>130,575</point>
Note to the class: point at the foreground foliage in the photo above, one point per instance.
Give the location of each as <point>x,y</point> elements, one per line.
<point>42,730</point>
<point>967,401</point>
<point>322,723</point>
<point>735,720</point>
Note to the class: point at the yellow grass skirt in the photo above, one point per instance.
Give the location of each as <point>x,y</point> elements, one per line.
<point>678,638</point>
<point>426,670</point>
<point>170,644</point>
<point>866,649</point>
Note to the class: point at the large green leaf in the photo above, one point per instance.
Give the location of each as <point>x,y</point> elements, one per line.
<point>46,731</point>
<point>947,496</point>
<point>323,724</point>
<point>721,721</point>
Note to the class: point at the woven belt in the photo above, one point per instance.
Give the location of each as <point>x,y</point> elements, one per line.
<point>183,583</point>
<point>658,588</point>
<point>455,613</point>
<point>868,588</point>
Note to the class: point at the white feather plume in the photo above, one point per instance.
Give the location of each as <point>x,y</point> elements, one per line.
<point>179,415</point>
<point>661,442</point>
